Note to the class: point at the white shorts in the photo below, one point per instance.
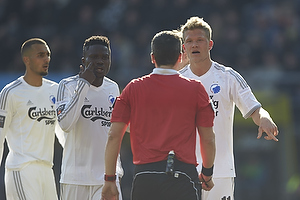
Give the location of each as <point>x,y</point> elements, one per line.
<point>83,192</point>
<point>223,190</point>
<point>34,181</point>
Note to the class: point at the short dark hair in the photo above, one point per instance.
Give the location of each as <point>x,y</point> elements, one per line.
<point>96,39</point>
<point>166,47</point>
<point>28,43</point>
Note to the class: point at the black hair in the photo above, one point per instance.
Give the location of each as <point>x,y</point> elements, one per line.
<point>166,47</point>
<point>93,40</point>
<point>28,43</point>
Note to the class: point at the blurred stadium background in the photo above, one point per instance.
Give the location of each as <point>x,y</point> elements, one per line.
<point>258,38</point>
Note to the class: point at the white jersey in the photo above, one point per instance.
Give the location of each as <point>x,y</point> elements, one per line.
<point>84,113</point>
<point>226,88</point>
<point>27,121</point>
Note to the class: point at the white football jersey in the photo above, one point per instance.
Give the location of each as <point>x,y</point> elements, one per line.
<point>27,121</point>
<point>227,89</point>
<point>84,113</point>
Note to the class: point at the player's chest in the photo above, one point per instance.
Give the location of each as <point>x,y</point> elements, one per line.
<point>35,104</point>
<point>98,105</point>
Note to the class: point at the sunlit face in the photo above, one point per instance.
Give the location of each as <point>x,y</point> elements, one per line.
<point>38,59</point>
<point>99,56</point>
<point>197,45</point>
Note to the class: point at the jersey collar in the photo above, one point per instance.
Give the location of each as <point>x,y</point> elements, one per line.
<point>162,71</point>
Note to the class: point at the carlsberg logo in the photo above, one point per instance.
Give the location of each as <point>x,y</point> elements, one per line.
<point>95,113</point>
<point>40,114</point>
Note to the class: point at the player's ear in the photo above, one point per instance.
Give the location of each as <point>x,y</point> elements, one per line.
<point>179,60</point>
<point>211,44</point>
<point>25,60</point>
<point>152,58</point>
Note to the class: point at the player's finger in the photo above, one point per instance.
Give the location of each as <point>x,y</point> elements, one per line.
<point>90,66</point>
<point>81,70</point>
<point>271,136</point>
<point>260,132</point>
<point>276,131</point>
<point>205,187</point>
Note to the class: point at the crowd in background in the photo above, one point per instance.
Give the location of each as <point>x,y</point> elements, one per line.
<point>249,35</point>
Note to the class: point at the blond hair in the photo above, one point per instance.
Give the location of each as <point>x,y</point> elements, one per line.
<point>196,23</point>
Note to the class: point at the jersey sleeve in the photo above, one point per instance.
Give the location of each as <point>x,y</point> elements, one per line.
<point>70,99</point>
<point>6,112</point>
<point>242,95</point>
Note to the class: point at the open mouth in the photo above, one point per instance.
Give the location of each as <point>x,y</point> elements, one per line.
<point>195,52</point>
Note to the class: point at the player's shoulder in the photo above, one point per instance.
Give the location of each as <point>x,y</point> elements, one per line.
<point>230,73</point>
<point>12,85</point>
<point>69,80</point>
<point>184,70</point>
<point>225,70</point>
<point>110,86</point>
<point>222,68</point>
<point>109,81</point>
<point>49,82</point>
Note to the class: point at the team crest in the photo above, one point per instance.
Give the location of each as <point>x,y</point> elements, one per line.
<point>215,88</point>
<point>111,99</point>
<point>52,99</point>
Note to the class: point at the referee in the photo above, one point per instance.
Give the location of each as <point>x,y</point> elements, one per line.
<point>163,109</point>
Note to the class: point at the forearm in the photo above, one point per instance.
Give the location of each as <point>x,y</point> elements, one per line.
<point>69,104</point>
<point>207,146</point>
<point>259,114</point>
<point>113,145</point>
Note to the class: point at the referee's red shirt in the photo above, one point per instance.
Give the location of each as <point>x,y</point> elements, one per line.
<point>163,112</point>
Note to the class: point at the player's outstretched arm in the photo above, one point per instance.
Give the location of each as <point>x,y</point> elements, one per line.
<point>265,124</point>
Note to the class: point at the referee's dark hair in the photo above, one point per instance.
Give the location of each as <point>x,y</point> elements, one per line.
<point>166,47</point>
<point>96,39</point>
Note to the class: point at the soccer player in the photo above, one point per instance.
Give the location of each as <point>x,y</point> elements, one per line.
<point>84,107</point>
<point>163,109</point>
<point>27,122</point>
<point>226,88</point>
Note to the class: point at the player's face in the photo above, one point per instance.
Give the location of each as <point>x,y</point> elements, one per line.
<point>99,56</point>
<point>197,45</point>
<point>39,59</point>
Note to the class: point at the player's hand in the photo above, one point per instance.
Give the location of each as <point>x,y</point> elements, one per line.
<point>206,182</point>
<point>269,127</point>
<point>110,191</point>
<point>87,73</point>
